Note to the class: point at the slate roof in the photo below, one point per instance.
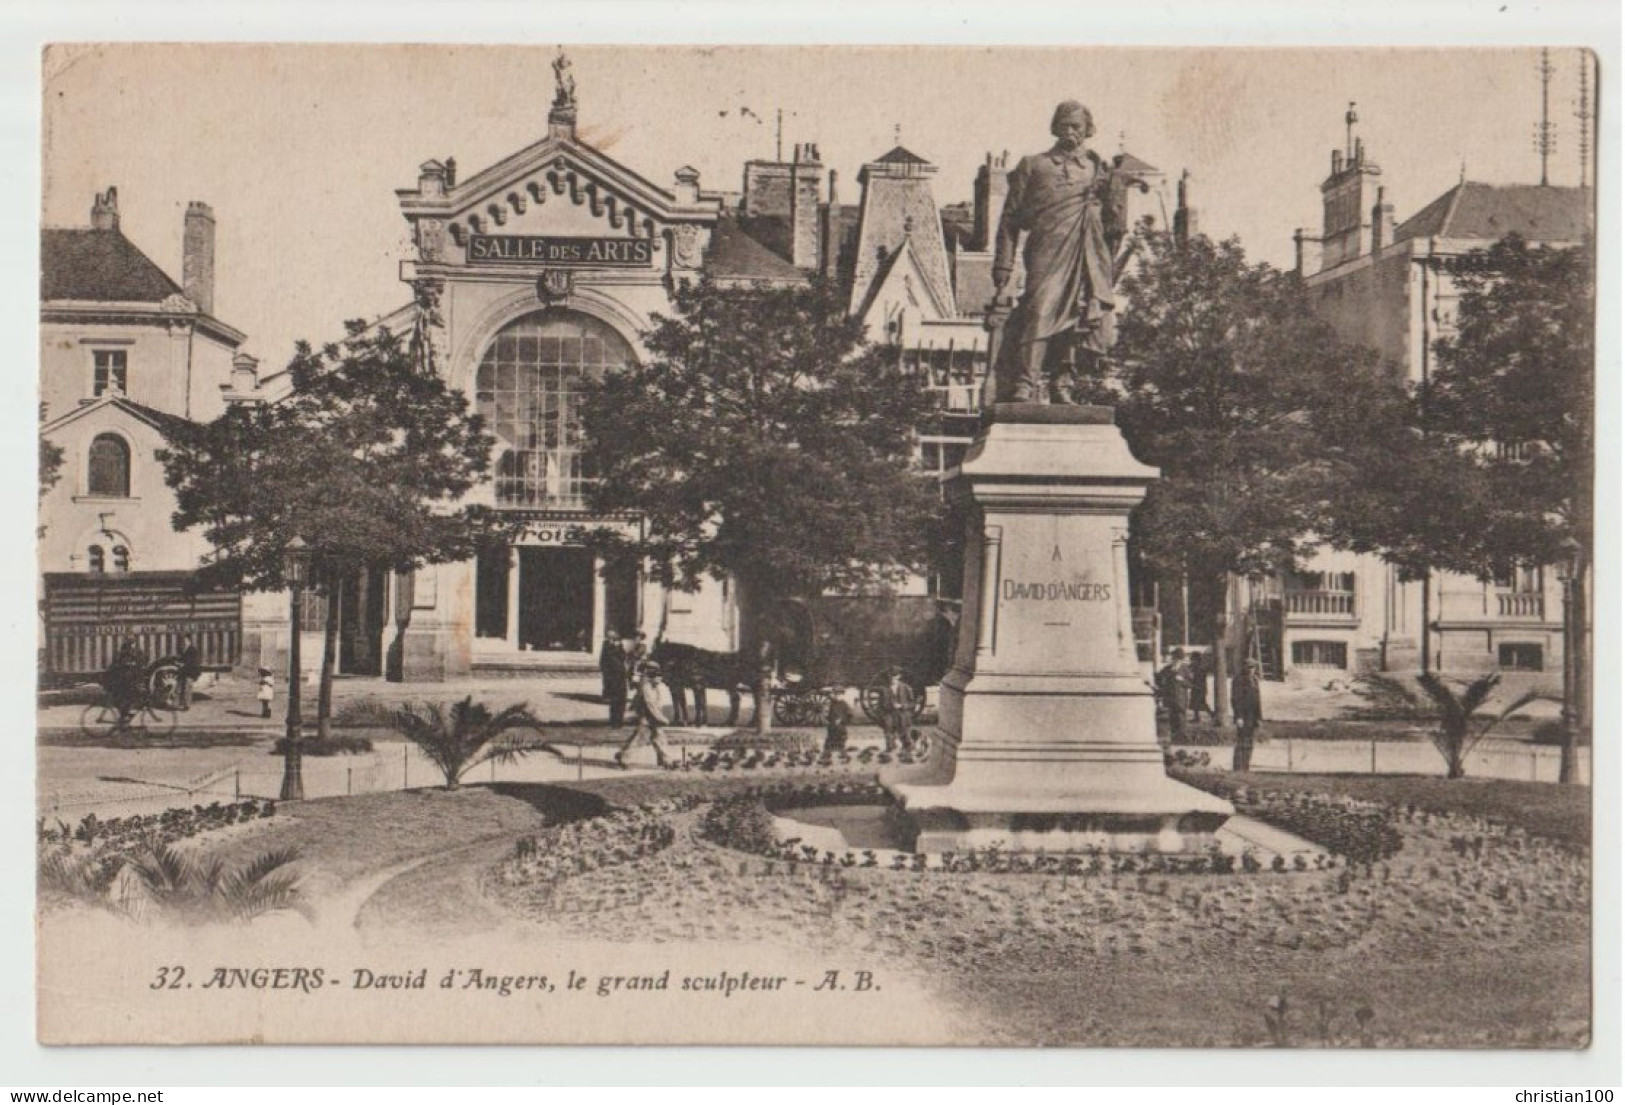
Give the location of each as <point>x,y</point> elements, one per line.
<point>734,255</point>
<point>1540,213</point>
<point>101,266</point>
<point>897,155</point>
<point>1129,164</point>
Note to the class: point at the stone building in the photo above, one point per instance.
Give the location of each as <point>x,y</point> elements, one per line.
<point>126,354</point>
<point>1387,286</point>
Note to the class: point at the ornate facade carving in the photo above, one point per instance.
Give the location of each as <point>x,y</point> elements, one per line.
<point>686,248</point>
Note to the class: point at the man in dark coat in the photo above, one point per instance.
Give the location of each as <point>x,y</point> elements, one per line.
<point>124,677</point>
<point>612,672</point>
<point>191,667</point>
<point>896,710</point>
<point>1247,700</point>
<point>837,716</point>
<point>1174,687</point>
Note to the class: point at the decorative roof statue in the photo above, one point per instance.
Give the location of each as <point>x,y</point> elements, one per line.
<point>564,94</point>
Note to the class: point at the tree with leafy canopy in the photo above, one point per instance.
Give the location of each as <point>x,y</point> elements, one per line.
<point>1494,470</point>
<point>51,457</point>
<point>766,441</point>
<point>367,459</point>
<point>1225,379</point>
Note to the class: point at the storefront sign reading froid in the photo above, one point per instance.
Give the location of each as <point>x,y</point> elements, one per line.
<point>516,249</point>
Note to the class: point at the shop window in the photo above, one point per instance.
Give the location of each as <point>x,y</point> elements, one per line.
<point>1521,657</point>
<point>109,467</point>
<point>528,390</point>
<point>111,371</point>
<point>96,559</point>
<point>1320,654</point>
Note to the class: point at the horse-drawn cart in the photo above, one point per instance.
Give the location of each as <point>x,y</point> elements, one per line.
<point>89,617</point>
<point>857,642</point>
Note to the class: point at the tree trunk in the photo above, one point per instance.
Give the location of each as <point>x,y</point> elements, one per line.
<point>330,640</point>
<point>1574,678</point>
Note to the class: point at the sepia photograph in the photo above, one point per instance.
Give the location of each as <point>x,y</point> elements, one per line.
<point>904,546</point>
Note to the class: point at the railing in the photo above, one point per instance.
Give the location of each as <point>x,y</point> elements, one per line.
<point>1339,603</point>
<point>1532,605</point>
<point>957,397</point>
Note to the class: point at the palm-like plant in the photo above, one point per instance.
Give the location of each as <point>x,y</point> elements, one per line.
<point>463,735</point>
<point>1458,733</point>
<point>192,888</point>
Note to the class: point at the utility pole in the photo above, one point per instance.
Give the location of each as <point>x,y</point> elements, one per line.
<point>1546,130</point>
<point>778,136</point>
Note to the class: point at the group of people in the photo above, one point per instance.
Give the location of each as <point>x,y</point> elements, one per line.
<point>126,678</point>
<point>631,683</point>
<point>1182,691</point>
<point>897,709</point>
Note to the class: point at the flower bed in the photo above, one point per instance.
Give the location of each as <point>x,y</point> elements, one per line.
<point>719,760</point>
<point>747,823</point>
<point>119,833</point>
<point>621,836</point>
<point>1361,832</point>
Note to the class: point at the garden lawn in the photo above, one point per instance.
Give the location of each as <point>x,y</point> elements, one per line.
<point>1487,947</point>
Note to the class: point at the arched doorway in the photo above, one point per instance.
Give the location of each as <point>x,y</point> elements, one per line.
<point>544,594</point>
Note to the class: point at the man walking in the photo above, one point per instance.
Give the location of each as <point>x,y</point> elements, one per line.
<point>1247,700</point>
<point>646,714</point>
<point>612,673</point>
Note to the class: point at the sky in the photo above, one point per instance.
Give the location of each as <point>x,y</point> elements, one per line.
<point>299,149</point>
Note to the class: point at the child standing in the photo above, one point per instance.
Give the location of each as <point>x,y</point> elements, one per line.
<point>267,691</point>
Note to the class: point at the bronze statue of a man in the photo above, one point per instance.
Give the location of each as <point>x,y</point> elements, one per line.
<point>1072,208</point>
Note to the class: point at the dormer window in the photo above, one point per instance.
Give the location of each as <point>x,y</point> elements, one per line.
<point>111,372</point>
<point>96,559</point>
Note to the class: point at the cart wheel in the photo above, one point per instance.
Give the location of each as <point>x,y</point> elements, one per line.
<point>164,686</point>
<point>871,699</point>
<point>784,710</point>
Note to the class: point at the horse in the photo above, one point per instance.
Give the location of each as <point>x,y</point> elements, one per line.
<point>690,669</point>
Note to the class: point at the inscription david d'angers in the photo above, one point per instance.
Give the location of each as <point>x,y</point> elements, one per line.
<point>1057,592</point>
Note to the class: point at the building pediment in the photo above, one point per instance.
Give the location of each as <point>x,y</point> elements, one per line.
<point>557,187</point>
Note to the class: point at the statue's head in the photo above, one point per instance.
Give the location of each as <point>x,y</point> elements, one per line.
<point>1072,124</point>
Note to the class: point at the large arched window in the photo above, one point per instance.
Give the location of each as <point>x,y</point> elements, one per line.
<point>527,389</point>
<point>109,467</point>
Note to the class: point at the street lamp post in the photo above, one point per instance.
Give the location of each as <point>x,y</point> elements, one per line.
<point>295,569</point>
<point>1570,571</point>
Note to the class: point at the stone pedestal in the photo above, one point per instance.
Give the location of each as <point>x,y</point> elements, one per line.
<point>1047,724</point>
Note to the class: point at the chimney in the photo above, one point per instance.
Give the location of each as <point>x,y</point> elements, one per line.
<point>104,212</point>
<point>688,185</point>
<point>805,170</point>
<point>431,179</point>
<point>1382,222</point>
<point>197,256</point>
<point>245,380</point>
<point>992,184</point>
<point>1184,213</point>
<point>451,172</point>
